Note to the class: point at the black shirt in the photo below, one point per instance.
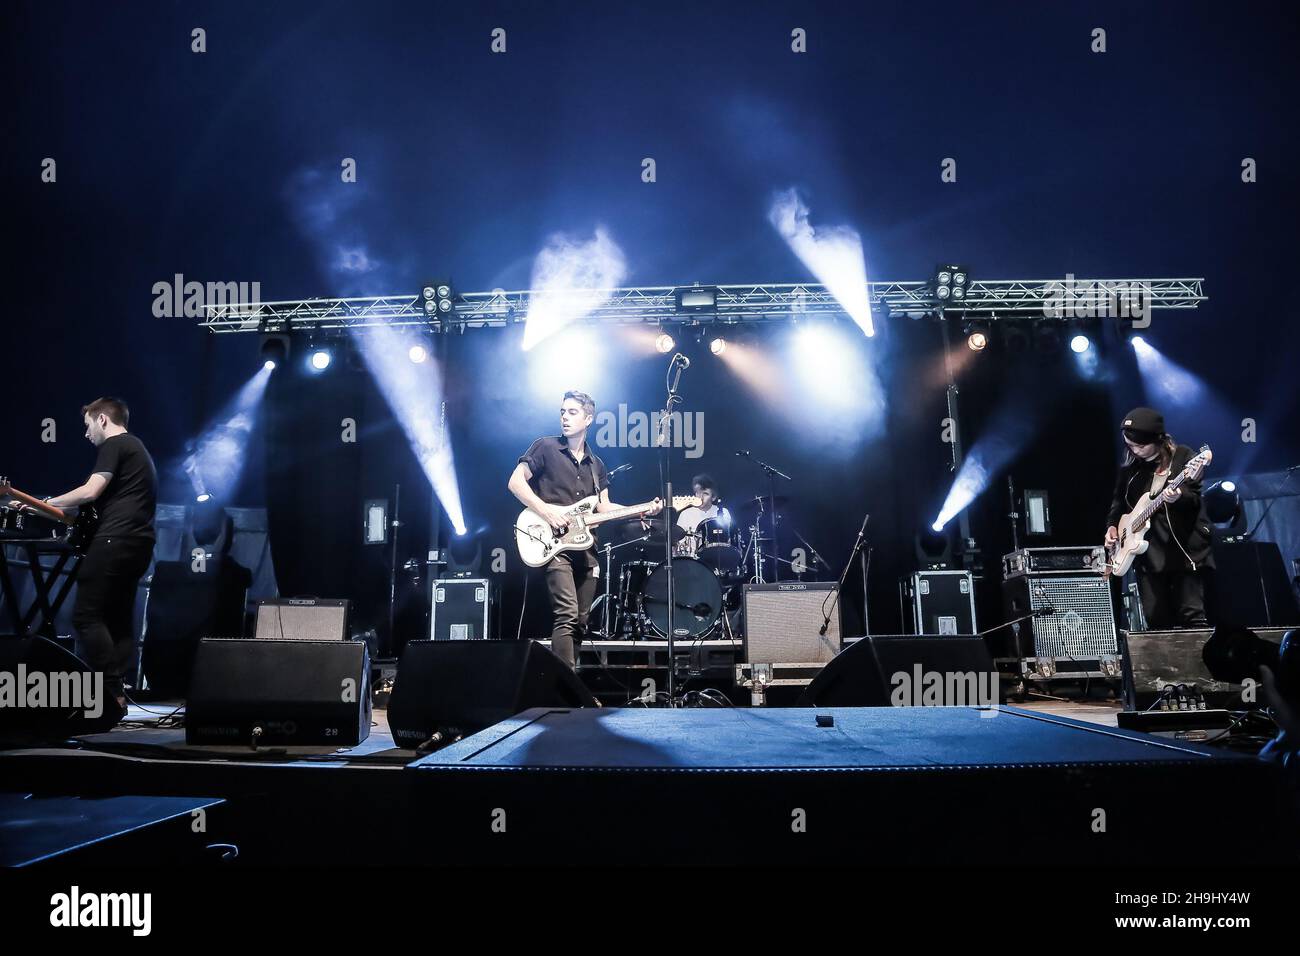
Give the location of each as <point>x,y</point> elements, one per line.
<point>1180,532</point>
<point>126,507</point>
<point>558,479</point>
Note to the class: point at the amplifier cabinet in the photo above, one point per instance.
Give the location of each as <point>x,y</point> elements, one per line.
<point>1079,622</point>
<point>783,622</point>
<point>459,609</point>
<point>302,619</point>
<point>1155,660</point>
<point>938,602</point>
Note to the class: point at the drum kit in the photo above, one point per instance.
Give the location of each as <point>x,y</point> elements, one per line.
<point>711,563</point>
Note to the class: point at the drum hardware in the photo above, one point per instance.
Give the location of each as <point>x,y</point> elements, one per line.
<point>771,501</point>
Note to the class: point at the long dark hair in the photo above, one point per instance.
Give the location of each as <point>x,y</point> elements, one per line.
<point>1168,445</point>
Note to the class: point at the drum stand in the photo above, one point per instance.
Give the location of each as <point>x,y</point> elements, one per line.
<point>609,549</point>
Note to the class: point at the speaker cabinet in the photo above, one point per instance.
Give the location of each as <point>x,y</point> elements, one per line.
<point>1153,660</point>
<point>870,671</point>
<point>461,687</point>
<point>302,619</point>
<point>783,622</point>
<point>68,683</point>
<point>273,692</point>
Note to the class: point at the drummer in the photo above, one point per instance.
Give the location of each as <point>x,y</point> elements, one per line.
<point>689,520</point>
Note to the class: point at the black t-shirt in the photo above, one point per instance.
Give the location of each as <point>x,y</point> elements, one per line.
<point>127,506</point>
<point>558,479</point>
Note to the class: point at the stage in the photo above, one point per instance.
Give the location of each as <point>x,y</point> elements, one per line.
<point>630,786</point>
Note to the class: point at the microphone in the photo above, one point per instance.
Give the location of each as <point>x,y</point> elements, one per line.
<point>679,357</point>
<point>742,454</point>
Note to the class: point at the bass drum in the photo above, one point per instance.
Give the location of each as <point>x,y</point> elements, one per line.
<point>696,594</point>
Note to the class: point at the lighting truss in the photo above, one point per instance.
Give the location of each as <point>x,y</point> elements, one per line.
<point>653,305</point>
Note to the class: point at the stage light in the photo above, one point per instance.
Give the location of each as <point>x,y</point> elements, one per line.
<point>933,548</point>
<point>437,299</point>
<point>1137,341</point>
<point>275,349</point>
<point>414,393</point>
<point>320,360</point>
<point>664,342</point>
<point>937,526</point>
<point>215,459</point>
<point>977,335</point>
<point>1080,344</point>
<point>696,299</point>
<point>718,346</point>
<point>833,254</point>
<point>950,283</point>
<point>417,354</point>
<point>1222,503</point>
<point>1167,382</point>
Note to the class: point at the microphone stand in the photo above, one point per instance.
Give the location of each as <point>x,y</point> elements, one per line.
<point>678,364</point>
<point>772,475</point>
<point>835,600</point>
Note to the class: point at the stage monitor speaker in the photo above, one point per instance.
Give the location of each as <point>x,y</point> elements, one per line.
<point>783,622</point>
<point>273,692</point>
<point>302,619</point>
<point>1155,660</point>
<point>185,605</point>
<point>67,681</point>
<point>460,687</point>
<point>864,674</point>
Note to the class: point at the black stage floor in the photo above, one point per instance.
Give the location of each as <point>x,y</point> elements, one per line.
<point>962,786</point>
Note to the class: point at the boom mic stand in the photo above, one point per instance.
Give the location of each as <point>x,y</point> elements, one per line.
<point>857,547</point>
<point>678,365</point>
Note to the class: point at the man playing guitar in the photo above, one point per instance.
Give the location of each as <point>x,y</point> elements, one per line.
<point>1170,573</point>
<point>123,486</point>
<point>554,473</point>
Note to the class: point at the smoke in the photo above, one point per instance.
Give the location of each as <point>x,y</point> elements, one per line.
<point>832,254</point>
<point>571,278</point>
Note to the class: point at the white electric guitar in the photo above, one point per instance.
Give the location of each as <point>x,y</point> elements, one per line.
<point>1133,527</point>
<point>538,541</point>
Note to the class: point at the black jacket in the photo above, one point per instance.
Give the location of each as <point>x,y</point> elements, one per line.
<point>1181,523</point>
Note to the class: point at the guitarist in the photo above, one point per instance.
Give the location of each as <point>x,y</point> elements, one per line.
<point>1170,575</point>
<point>123,486</point>
<point>554,474</point>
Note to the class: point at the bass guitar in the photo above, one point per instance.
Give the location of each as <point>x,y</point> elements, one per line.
<point>1133,527</point>
<point>81,526</point>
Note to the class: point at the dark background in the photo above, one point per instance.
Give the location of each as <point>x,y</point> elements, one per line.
<point>224,166</point>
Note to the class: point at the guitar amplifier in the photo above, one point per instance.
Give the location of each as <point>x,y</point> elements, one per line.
<point>302,619</point>
<point>938,602</point>
<point>783,622</point>
<point>459,609</point>
<point>1077,620</point>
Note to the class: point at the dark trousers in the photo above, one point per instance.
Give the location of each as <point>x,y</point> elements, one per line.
<point>104,613</point>
<point>1172,598</point>
<point>571,580</point>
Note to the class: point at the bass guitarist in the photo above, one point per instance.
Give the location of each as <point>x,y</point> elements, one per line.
<point>557,472</point>
<point>1171,574</point>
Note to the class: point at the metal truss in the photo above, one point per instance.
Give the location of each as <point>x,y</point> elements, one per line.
<point>1047,299</point>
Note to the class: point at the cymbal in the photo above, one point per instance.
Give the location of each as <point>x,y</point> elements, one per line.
<point>631,530</point>
<point>763,502</point>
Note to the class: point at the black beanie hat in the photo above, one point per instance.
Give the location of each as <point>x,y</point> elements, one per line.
<point>1143,426</point>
